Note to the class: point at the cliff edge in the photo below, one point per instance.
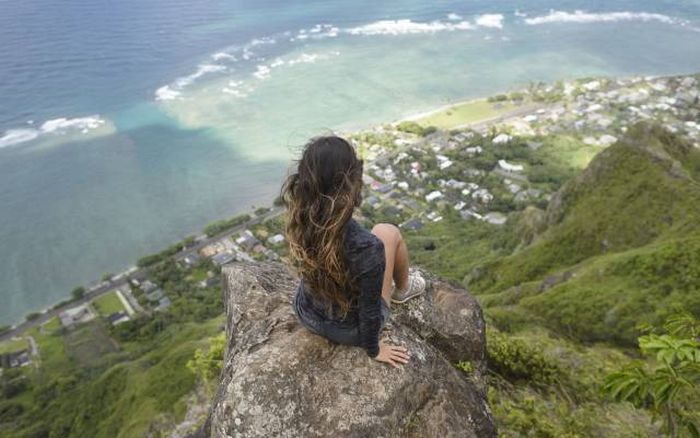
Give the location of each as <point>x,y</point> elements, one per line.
<point>280,380</point>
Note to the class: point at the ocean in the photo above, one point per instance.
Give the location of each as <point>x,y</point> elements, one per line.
<point>126,126</point>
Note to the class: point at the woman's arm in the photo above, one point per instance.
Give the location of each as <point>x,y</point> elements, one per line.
<point>369,282</point>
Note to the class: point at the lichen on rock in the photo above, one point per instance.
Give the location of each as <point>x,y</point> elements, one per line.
<point>280,380</point>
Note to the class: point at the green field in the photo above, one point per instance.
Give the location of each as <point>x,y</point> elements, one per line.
<point>108,304</point>
<point>465,113</point>
<point>13,345</point>
<point>52,325</point>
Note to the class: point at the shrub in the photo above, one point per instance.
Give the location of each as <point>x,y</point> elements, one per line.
<point>669,389</point>
<point>515,360</point>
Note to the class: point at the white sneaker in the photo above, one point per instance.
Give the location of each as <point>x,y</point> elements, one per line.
<point>416,286</point>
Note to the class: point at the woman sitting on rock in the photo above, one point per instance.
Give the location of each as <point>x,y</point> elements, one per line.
<point>346,272</point>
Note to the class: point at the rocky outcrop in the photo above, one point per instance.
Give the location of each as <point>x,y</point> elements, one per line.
<point>280,380</point>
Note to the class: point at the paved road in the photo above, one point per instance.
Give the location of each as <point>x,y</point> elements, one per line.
<point>91,295</point>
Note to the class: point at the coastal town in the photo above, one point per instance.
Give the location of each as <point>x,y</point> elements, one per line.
<point>439,167</point>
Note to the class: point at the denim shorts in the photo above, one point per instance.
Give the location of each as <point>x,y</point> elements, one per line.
<point>340,333</point>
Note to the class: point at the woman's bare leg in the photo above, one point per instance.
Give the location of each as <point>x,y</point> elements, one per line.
<point>396,259</point>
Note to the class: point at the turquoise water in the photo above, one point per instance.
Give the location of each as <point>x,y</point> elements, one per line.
<point>165,115</point>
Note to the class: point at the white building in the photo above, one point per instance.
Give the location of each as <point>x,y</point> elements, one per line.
<point>510,168</point>
<point>433,196</point>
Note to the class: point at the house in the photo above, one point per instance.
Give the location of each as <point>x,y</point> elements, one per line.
<point>454,184</point>
<point>163,304</point>
<point>495,218</point>
<point>409,203</point>
<point>211,249</point>
<point>412,224</point>
<point>501,138</point>
<point>191,259</point>
<point>433,196</point>
<point>223,258</point>
<point>117,318</point>
<point>210,281</point>
<point>276,239</point>
<point>147,286</point>
<point>482,195</point>
<point>434,216</point>
<point>15,359</point>
<point>476,150</point>
<point>444,164</point>
<point>470,214</point>
<point>510,168</point>
<point>247,240</point>
<point>76,315</point>
<point>155,295</point>
<point>383,188</point>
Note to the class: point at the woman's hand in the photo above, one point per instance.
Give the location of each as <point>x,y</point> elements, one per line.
<point>394,355</point>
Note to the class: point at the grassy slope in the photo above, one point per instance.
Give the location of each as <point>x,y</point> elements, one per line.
<point>623,247</point>
<point>123,400</point>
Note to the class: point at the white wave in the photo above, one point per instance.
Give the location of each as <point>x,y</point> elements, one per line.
<point>405,26</point>
<point>223,55</point>
<point>263,72</point>
<point>579,16</point>
<point>174,90</point>
<point>235,88</point>
<point>518,13</point>
<point>454,17</point>
<point>61,125</point>
<point>17,136</point>
<point>490,20</point>
<point>261,41</point>
<point>319,31</point>
<point>277,63</point>
<point>166,93</point>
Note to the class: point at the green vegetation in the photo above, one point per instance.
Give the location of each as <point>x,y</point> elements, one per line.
<point>207,364</point>
<point>669,388</point>
<point>152,259</point>
<point>77,293</point>
<point>52,325</point>
<point>13,345</point>
<point>223,225</point>
<point>415,128</point>
<point>32,316</point>
<point>565,290</point>
<point>108,304</point>
<point>466,113</point>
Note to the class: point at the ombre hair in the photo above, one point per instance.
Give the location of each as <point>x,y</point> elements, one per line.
<point>320,198</point>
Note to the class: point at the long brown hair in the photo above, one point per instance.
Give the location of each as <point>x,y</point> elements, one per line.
<point>320,198</point>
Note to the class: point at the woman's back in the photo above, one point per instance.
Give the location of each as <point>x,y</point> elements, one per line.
<point>364,256</point>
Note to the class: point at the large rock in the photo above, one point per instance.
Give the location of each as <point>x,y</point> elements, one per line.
<point>280,380</point>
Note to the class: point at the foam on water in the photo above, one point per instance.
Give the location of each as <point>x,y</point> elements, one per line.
<point>580,16</point>
<point>490,20</point>
<point>60,125</point>
<point>174,90</point>
<point>406,26</point>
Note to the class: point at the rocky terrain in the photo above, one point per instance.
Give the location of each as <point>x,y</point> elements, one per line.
<point>279,379</point>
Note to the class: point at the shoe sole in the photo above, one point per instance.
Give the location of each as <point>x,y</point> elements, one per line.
<point>395,301</point>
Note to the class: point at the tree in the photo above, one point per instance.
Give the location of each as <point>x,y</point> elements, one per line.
<point>207,364</point>
<point>78,292</point>
<point>668,389</point>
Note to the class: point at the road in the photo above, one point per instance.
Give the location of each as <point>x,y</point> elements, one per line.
<point>91,295</point>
